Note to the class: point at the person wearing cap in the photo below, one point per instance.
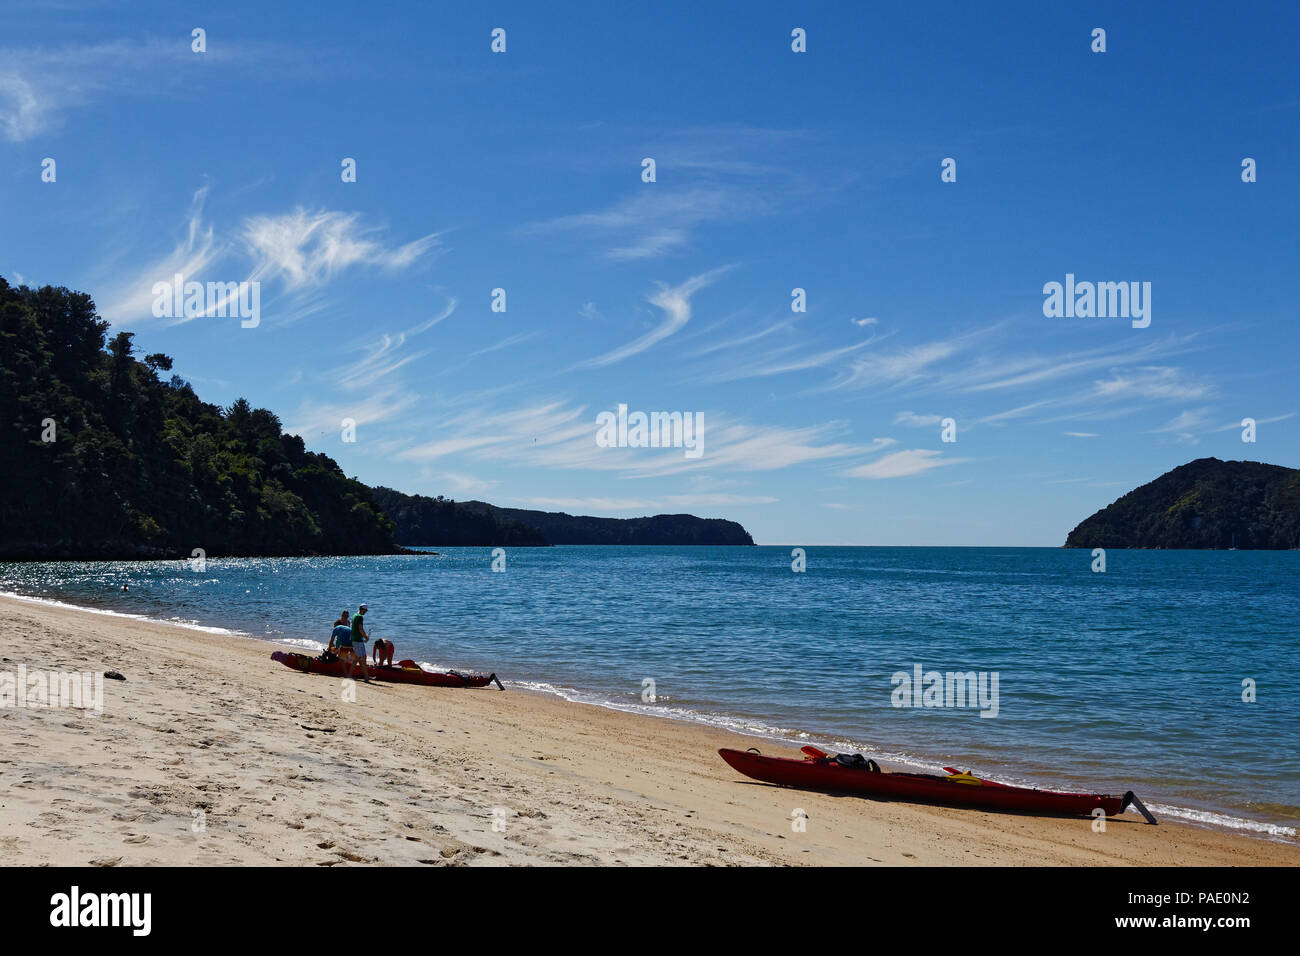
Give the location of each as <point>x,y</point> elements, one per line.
<point>359,635</point>
<point>346,640</point>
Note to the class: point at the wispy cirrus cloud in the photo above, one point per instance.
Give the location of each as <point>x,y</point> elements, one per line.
<point>901,464</point>
<point>784,360</point>
<point>308,248</point>
<point>897,367</point>
<point>519,338</point>
<point>654,221</point>
<point>557,435</point>
<point>707,175</point>
<point>913,420</point>
<point>39,86</point>
<point>1152,382</point>
<point>461,483</point>
<point>978,362</point>
<point>730,151</point>
<point>746,339</point>
<point>581,504</point>
<point>718,500</point>
<point>385,356</point>
<point>314,418</point>
<point>1236,426</point>
<point>385,397</point>
<point>193,253</point>
<point>300,251</point>
<point>675,302</point>
<point>1124,392</point>
<point>889,369</point>
<point>1185,423</point>
<point>501,435</point>
<point>744,447</point>
<point>1005,372</point>
<point>23,113</point>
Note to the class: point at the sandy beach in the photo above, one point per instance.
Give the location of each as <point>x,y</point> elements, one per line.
<point>209,753</point>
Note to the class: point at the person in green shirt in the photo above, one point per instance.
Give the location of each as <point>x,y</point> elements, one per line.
<point>359,638</point>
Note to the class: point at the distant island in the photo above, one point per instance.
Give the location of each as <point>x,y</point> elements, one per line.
<point>108,458</point>
<point>441,521</point>
<point>1206,503</point>
<point>561,528</point>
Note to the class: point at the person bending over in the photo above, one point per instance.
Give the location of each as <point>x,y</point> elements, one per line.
<point>340,637</point>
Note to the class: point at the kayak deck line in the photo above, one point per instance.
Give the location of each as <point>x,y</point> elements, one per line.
<point>394,674</point>
<point>852,774</point>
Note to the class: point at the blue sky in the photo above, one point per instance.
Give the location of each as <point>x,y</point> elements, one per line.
<point>775,170</point>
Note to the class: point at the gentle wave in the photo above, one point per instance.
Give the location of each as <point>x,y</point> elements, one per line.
<point>178,622</point>
<point>1212,819</point>
<point>797,738</point>
<point>722,721</point>
<point>1103,688</point>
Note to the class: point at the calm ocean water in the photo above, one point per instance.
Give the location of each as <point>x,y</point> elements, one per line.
<point>1131,679</point>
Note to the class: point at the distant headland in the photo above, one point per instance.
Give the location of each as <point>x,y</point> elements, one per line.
<point>1206,503</point>
<point>440,521</point>
<point>109,457</point>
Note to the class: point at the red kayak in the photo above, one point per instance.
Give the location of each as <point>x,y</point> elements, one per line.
<point>407,672</point>
<point>821,771</point>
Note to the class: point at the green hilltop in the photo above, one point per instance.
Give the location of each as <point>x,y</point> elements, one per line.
<point>1206,503</point>
<point>140,466</point>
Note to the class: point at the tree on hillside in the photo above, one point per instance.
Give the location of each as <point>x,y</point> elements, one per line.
<point>142,466</point>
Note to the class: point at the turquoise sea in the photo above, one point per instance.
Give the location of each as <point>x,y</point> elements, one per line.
<point>1128,679</point>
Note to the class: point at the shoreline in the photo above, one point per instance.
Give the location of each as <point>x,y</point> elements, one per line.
<point>145,553</point>
<point>281,769</point>
<point>744,726</point>
<point>740,725</point>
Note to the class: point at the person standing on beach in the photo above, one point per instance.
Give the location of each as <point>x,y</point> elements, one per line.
<point>359,638</point>
<point>344,639</point>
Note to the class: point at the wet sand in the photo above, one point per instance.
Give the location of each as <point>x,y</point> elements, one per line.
<point>210,753</point>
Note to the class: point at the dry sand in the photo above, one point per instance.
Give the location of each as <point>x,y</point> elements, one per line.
<point>284,770</point>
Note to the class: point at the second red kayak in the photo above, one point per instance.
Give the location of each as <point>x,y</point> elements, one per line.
<point>820,771</point>
<point>413,674</point>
